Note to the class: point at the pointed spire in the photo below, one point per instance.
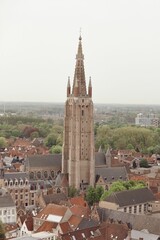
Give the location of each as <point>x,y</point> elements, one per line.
<point>90,88</point>
<point>79,74</point>
<point>68,87</point>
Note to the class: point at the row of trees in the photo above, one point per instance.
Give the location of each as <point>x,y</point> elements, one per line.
<point>136,138</point>
<point>141,139</point>
<point>30,127</point>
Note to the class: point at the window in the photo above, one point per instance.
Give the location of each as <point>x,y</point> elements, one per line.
<point>125,209</point>
<point>135,209</point>
<point>145,207</point>
<point>31,175</point>
<point>39,175</point>
<point>130,209</point>
<point>82,112</point>
<point>45,174</point>
<point>140,208</point>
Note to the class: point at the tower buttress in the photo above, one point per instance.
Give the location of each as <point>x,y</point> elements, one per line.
<point>68,87</point>
<point>90,88</point>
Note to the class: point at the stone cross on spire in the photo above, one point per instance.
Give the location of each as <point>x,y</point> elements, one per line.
<point>79,74</point>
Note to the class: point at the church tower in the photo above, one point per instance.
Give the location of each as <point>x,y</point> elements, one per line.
<point>78,157</point>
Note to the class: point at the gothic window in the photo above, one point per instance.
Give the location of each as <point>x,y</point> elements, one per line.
<point>52,174</point>
<point>39,175</point>
<point>31,175</point>
<point>45,174</point>
<point>58,190</point>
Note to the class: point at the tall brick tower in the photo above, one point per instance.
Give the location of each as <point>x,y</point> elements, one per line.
<point>78,157</point>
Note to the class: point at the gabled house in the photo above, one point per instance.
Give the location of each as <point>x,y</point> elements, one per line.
<point>55,198</point>
<point>51,213</point>
<point>27,226</point>
<point>106,176</point>
<point>130,201</point>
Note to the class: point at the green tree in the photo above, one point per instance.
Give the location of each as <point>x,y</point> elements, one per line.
<point>93,195</point>
<point>72,191</point>
<point>99,192</point>
<point>122,186</point>
<point>2,231</point>
<point>3,142</point>
<point>51,140</point>
<point>143,163</point>
<point>56,149</point>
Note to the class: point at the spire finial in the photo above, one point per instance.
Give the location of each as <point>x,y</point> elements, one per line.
<point>80,38</point>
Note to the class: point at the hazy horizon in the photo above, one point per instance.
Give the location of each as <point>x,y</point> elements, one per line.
<point>121,46</point>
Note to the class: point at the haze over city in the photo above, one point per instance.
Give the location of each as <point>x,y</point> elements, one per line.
<point>121,46</point>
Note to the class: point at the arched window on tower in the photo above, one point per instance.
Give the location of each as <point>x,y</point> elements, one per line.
<point>82,112</point>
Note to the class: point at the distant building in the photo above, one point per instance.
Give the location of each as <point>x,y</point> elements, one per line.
<point>146,121</point>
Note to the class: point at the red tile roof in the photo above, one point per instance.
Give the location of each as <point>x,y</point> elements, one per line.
<point>52,209</point>
<point>78,201</point>
<point>47,227</point>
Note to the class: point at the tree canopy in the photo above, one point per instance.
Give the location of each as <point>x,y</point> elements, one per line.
<point>122,186</point>
<point>93,195</point>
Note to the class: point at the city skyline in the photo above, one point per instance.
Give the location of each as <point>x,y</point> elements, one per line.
<point>120,40</point>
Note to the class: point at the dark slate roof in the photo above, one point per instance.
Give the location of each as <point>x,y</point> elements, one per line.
<point>87,223</point>
<point>16,175</point>
<point>137,222</point>
<point>55,198</point>
<point>6,201</point>
<point>112,174</point>
<point>131,197</point>
<point>100,158</point>
<point>44,160</point>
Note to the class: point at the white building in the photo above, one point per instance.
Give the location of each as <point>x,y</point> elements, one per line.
<point>7,208</point>
<point>146,121</point>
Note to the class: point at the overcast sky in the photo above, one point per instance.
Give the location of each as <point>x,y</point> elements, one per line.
<point>121,45</point>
